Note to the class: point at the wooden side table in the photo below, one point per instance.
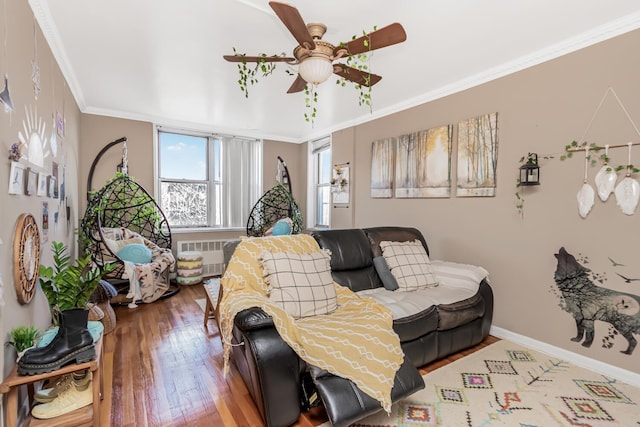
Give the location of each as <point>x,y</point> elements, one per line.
<point>87,416</point>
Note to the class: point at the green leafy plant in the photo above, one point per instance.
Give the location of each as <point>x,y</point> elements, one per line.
<point>249,75</point>
<point>361,62</point>
<point>69,285</point>
<point>23,337</point>
<point>571,148</point>
<point>310,101</point>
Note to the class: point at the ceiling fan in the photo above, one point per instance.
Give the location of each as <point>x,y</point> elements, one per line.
<point>315,57</point>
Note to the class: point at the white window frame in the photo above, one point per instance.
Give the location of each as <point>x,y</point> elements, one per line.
<point>314,148</point>
<point>251,195</point>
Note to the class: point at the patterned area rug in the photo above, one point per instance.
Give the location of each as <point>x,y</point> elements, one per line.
<point>505,384</point>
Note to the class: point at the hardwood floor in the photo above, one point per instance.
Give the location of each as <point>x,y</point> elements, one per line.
<point>162,367</point>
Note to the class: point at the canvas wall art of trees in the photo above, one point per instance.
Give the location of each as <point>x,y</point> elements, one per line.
<point>477,156</point>
<point>423,163</point>
<point>382,163</point>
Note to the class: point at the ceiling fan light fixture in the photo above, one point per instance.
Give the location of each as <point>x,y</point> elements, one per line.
<point>316,69</point>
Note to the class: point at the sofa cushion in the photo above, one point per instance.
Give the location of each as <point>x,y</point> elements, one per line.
<point>382,268</point>
<point>409,264</point>
<point>300,283</point>
<point>405,304</point>
<point>351,259</point>
<point>394,234</point>
<point>419,312</point>
<point>350,249</point>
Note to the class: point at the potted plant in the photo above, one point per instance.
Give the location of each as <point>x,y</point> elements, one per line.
<point>67,287</point>
<point>23,338</point>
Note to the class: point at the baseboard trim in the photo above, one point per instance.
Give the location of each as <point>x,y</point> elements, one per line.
<point>612,371</point>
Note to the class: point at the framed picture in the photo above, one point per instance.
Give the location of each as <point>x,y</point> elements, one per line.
<point>42,184</point>
<point>340,184</point>
<point>423,163</point>
<point>382,163</point>
<point>53,187</point>
<point>477,156</point>
<point>16,179</point>
<point>32,182</point>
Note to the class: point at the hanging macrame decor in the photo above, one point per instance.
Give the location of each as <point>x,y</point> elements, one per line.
<point>275,205</point>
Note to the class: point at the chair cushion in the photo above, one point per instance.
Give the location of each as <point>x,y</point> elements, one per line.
<point>409,264</point>
<point>136,253</point>
<point>300,283</point>
<point>282,227</point>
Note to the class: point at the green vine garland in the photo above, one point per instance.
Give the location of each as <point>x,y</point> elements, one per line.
<point>361,62</point>
<point>250,75</point>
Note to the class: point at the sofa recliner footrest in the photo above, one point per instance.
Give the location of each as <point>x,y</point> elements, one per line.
<point>345,403</point>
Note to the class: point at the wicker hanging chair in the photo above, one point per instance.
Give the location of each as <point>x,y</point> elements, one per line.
<point>123,209</point>
<point>274,205</point>
<point>122,203</point>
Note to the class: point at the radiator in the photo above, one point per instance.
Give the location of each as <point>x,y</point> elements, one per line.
<point>212,256</point>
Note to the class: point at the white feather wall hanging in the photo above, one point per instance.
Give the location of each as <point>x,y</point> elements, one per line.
<point>628,190</point>
<point>586,195</point>
<point>606,177</point>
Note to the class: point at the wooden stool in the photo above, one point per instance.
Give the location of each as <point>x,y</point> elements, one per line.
<point>214,294</point>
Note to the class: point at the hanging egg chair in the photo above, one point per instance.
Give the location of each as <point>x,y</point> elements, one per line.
<point>120,213</point>
<point>275,205</point>
<point>122,203</point>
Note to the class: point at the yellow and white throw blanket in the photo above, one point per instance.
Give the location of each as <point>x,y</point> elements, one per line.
<point>356,341</point>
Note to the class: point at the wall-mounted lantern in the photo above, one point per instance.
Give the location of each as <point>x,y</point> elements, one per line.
<point>530,171</point>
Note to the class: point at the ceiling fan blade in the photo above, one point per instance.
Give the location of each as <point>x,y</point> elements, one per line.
<point>298,85</point>
<point>358,77</point>
<point>292,19</point>
<point>244,58</point>
<point>387,36</point>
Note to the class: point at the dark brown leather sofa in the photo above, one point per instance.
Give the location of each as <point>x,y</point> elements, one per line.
<point>273,372</point>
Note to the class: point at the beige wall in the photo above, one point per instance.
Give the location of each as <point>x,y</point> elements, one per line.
<point>540,110</point>
<point>54,96</point>
<point>342,151</point>
<point>96,132</point>
<point>294,155</point>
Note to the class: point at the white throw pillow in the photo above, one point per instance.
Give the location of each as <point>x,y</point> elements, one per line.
<point>409,264</point>
<point>300,283</point>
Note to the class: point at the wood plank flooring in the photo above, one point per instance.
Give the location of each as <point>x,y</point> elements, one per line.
<point>163,368</point>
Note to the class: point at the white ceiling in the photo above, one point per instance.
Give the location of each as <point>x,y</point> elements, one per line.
<point>161,60</point>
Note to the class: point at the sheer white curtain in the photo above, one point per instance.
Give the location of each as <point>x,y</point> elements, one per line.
<point>241,178</point>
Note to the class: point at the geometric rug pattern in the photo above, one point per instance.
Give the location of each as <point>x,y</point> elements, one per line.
<point>505,384</point>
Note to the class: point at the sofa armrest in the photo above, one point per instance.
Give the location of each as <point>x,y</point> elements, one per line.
<point>253,318</point>
<point>487,319</point>
<point>271,370</point>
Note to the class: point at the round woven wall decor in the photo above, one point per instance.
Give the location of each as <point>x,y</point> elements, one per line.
<point>26,257</point>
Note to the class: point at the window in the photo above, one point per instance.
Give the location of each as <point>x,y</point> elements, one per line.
<point>321,160</point>
<point>208,180</point>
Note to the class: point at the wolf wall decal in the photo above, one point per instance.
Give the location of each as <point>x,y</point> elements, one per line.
<point>587,302</point>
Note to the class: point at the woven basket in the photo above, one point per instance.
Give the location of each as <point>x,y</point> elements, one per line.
<point>95,312</point>
<point>109,319</point>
